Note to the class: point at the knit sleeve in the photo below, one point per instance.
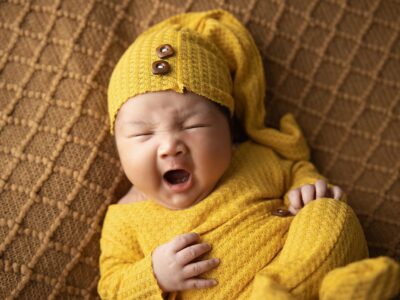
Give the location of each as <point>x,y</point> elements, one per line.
<point>125,273</point>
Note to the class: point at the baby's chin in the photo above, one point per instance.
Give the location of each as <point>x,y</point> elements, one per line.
<point>184,200</point>
<point>179,202</point>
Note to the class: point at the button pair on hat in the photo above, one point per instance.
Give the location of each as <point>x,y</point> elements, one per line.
<point>161,67</point>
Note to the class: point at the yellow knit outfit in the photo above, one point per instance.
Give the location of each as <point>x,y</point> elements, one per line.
<point>262,256</point>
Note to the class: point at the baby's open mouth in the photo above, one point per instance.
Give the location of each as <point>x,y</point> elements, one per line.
<point>176,176</point>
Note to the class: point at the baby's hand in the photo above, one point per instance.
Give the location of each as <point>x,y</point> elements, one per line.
<point>303,195</point>
<point>173,266</point>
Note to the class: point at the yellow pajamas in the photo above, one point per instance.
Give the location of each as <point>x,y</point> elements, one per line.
<point>262,256</point>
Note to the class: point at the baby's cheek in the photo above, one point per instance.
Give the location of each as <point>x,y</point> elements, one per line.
<point>213,160</point>
<point>145,179</point>
<point>138,164</point>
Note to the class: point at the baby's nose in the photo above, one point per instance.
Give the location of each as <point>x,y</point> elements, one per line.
<point>172,147</point>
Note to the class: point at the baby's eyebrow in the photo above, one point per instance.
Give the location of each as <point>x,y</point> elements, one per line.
<point>138,123</point>
<point>188,114</point>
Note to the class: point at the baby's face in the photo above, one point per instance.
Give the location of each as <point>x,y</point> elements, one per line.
<point>173,147</point>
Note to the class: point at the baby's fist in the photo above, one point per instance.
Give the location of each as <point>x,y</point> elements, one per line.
<point>306,193</point>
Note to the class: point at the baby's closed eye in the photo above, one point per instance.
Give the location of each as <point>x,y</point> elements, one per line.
<point>142,134</point>
<point>195,126</point>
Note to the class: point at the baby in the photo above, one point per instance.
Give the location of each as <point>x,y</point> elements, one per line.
<point>175,148</point>
<point>204,210</point>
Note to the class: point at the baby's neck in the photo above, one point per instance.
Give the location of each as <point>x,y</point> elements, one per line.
<point>133,195</point>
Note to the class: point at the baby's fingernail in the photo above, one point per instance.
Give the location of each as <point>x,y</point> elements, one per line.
<point>216,260</point>
<point>214,282</point>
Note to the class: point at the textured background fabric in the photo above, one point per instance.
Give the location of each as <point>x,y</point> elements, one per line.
<point>334,64</point>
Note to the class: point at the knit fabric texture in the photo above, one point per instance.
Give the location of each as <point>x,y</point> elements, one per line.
<point>294,252</point>
<point>333,64</point>
<point>363,280</point>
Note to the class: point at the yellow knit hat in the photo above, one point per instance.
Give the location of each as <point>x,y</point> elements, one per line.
<point>213,55</point>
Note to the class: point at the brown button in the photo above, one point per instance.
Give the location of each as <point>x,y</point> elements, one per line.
<point>281,212</point>
<point>165,51</point>
<point>161,67</point>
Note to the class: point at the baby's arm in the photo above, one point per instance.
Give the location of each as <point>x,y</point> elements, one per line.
<point>306,185</point>
<point>125,271</point>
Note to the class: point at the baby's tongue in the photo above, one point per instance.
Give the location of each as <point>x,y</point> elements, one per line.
<point>176,176</point>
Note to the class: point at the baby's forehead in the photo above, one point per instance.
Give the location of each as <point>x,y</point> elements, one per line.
<point>166,103</point>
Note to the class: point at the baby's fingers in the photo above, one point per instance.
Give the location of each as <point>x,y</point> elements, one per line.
<point>188,254</point>
<point>198,268</point>
<point>295,201</point>
<point>336,192</point>
<point>198,283</point>
<point>321,189</point>
<point>307,193</point>
<point>183,240</point>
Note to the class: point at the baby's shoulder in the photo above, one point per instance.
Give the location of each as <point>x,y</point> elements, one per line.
<point>132,196</point>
